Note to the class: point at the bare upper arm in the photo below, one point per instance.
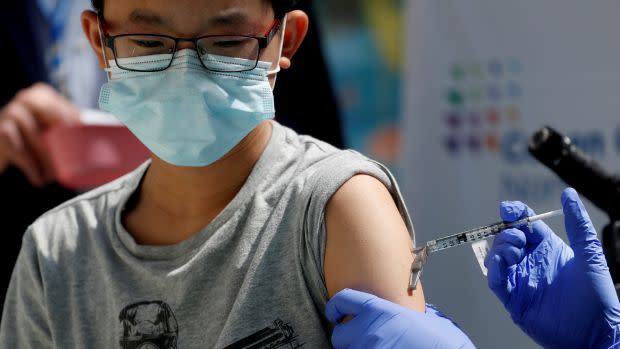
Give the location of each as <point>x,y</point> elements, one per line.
<point>368,246</point>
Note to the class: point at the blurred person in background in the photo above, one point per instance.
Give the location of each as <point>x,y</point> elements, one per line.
<point>54,75</point>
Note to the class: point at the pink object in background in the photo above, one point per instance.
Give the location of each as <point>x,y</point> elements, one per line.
<point>93,153</point>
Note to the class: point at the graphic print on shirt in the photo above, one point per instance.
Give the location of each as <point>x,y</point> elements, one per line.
<point>278,335</point>
<point>148,325</point>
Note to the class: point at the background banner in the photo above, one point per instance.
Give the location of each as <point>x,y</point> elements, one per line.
<point>480,77</point>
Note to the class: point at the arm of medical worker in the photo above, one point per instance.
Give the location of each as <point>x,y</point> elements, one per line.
<point>562,296</point>
<point>378,323</point>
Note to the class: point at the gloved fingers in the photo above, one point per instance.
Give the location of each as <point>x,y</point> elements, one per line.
<point>579,227</point>
<point>340,337</point>
<point>540,231</point>
<point>509,244</point>
<point>348,334</point>
<point>344,336</point>
<point>510,254</point>
<point>511,211</point>
<point>580,230</point>
<point>497,277</point>
<point>346,302</point>
<point>512,236</point>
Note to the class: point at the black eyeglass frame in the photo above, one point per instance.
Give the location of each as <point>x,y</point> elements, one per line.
<point>263,42</point>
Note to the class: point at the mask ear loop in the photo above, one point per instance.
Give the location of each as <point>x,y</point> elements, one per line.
<point>277,69</point>
<point>103,46</point>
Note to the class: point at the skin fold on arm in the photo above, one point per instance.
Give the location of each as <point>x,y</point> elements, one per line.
<point>368,246</point>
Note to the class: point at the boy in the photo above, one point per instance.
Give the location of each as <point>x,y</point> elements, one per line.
<point>238,230</point>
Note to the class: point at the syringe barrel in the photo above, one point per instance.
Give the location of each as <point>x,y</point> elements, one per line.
<point>482,233</point>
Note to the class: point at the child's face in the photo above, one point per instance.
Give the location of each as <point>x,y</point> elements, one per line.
<point>219,109</point>
<point>192,18</point>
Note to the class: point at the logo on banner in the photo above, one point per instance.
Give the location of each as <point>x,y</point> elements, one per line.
<point>479,98</point>
<point>483,112</point>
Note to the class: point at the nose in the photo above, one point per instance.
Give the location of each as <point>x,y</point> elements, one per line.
<point>183,44</point>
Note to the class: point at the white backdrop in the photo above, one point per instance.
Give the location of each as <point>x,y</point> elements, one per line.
<point>480,77</point>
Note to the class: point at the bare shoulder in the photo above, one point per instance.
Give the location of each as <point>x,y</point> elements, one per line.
<point>368,246</point>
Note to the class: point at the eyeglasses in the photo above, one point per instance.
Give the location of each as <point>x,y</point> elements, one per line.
<point>210,49</point>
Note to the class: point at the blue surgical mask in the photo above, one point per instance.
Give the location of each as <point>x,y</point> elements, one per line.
<point>186,115</point>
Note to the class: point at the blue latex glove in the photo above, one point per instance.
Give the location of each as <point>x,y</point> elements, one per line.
<point>378,323</point>
<point>561,296</point>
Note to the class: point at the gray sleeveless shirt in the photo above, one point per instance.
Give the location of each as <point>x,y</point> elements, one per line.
<point>253,278</point>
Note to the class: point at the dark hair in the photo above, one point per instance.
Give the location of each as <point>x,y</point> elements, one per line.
<point>280,7</point>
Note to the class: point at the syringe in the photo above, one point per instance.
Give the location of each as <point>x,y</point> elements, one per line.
<point>466,237</point>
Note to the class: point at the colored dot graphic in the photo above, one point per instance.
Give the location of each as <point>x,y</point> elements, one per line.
<point>494,93</point>
<point>458,72</point>
<point>453,120</point>
<point>513,113</point>
<point>455,98</point>
<point>475,70</point>
<point>452,144</point>
<point>480,97</point>
<point>493,116</point>
<point>492,142</point>
<point>513,90</point>
<point>474,143</point>
<point>474,119</point>
<point>514,66</point>
<point>496,69</point>
<point>474,95</point>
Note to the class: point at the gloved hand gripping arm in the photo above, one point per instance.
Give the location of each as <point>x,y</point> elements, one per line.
<point>378,323</point>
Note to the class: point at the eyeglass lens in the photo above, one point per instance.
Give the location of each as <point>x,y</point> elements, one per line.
<point>210,49</point>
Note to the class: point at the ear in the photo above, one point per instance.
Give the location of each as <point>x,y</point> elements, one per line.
<point>296,30</point>
<point>90,25</point>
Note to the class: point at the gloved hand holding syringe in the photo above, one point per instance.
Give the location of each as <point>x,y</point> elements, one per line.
<point>421,254</point>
